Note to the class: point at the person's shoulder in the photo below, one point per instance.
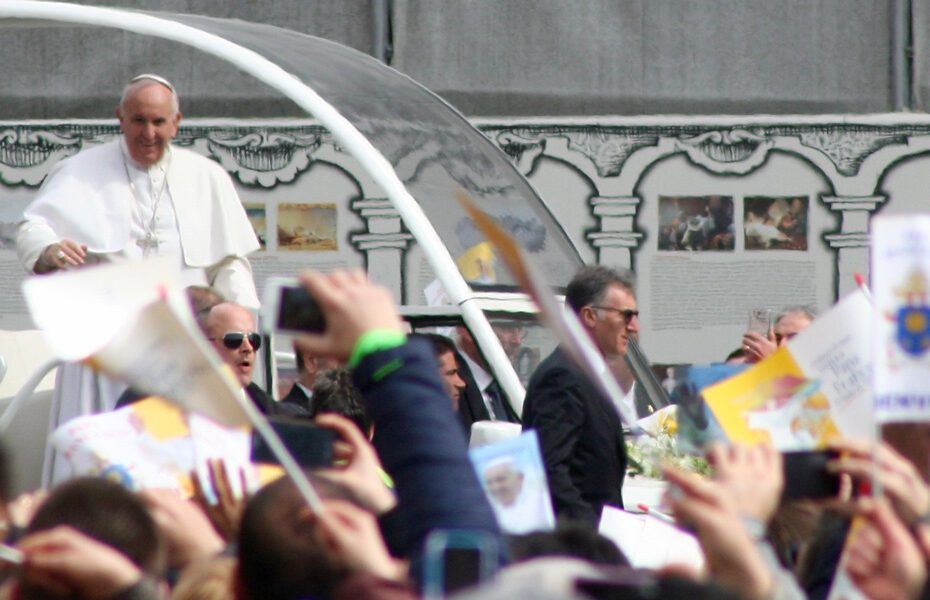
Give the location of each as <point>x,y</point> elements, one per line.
<point>95,155</point>
<point>556,370</point>
<point>556,362</point>
<point>195,166</point>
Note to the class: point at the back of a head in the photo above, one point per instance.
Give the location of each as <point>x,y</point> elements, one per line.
<point>281,556</point>
<point>202,298</point>
<point>440,343</point>
<point>808,312</point>
<point>567,540</point>
<point>334,392</point>
<point>107,512</point>
<point>589,284</point>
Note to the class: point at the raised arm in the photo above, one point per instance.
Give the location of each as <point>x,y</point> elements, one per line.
<point>417,435</point>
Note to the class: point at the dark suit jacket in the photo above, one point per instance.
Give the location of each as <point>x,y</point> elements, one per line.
<point>580,436</point>
<point>471,404</point>
<point>297,397</point>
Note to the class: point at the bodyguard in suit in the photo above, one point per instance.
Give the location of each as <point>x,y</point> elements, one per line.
<point>309,367</point>
<point>483,399</point>
<point>579,430</point>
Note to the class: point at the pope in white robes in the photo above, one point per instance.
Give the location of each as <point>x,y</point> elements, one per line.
<point>140,197</point>
<point>130,199</point>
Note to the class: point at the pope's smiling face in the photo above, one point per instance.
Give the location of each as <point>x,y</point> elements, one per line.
<point>149,119</point>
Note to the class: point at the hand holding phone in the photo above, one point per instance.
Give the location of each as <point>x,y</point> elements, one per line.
<point>351,305</point>
<point>290,308</point>
<point>760,321</point>
<point>806,475</point>
<point>357,467</point>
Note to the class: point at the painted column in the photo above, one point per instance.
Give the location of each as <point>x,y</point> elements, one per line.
<point>384,243</point>
<point>852,241</point>
<point>615,239</point>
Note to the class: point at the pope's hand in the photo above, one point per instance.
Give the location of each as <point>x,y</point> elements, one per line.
<point>61,255</point>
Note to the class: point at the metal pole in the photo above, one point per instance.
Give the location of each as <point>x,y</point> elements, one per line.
<point>900,59</point>
<point>380,29</point>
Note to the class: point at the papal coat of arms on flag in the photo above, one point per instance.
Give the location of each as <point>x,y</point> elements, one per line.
<point>900,274</point>
<point>912,321</point>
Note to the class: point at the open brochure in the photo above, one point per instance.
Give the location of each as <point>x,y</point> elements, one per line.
<point>815,388</point>
<point>152,444</point>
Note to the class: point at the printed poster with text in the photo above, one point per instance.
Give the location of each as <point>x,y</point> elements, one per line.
<point>815,388</point>
<point>901,284</point>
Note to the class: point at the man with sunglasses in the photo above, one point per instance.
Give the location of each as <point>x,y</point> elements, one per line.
<point>231,329</point>
<point>580,431</point>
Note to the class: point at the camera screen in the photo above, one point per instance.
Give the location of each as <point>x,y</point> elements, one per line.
<point>298,311</point>
<point>462,568</point>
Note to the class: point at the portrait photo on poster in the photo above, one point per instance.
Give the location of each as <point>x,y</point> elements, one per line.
<point>514,479</point>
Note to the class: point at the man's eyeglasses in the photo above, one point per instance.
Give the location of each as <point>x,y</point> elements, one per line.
<point>626,313</point>
<point>233,340</point>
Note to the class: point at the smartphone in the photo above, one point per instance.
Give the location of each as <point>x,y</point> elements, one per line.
<point>289,307</point>
<point>760,320</point>
<point>806,475</point>
<point>309,444</point>
<point>457,559</point>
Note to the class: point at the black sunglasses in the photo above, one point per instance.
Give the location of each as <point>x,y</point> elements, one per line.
<point>626,313</point>
<point>233,340</point>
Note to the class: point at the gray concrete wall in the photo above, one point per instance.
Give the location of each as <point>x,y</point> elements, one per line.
<point>509,58</point>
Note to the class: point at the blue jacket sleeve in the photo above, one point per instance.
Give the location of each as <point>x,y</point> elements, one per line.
<point>421,445</point>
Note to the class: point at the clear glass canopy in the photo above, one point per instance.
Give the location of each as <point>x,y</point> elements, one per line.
<point>431,146</point>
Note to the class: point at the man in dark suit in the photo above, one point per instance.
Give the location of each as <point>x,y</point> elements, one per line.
<point>483,399</point>
<point>579,430</point>
<point>309,367</point>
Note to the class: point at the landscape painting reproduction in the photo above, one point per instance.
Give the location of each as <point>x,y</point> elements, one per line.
<point>307,227</point>
<point>256,214</point>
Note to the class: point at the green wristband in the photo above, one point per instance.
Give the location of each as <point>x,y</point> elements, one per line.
<point>373,341</point>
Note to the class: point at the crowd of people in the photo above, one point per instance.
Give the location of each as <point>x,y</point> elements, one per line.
<point>404,513</point>
<point>91,538</point>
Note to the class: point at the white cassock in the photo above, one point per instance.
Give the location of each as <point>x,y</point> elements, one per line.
<point>184,205</point>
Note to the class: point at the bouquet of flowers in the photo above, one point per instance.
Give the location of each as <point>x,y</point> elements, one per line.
<point>659,445</point>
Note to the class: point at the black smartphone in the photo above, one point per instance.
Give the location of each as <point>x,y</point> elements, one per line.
<point>289,307</point>
<point>806,475</point>
<point>309,444</point>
